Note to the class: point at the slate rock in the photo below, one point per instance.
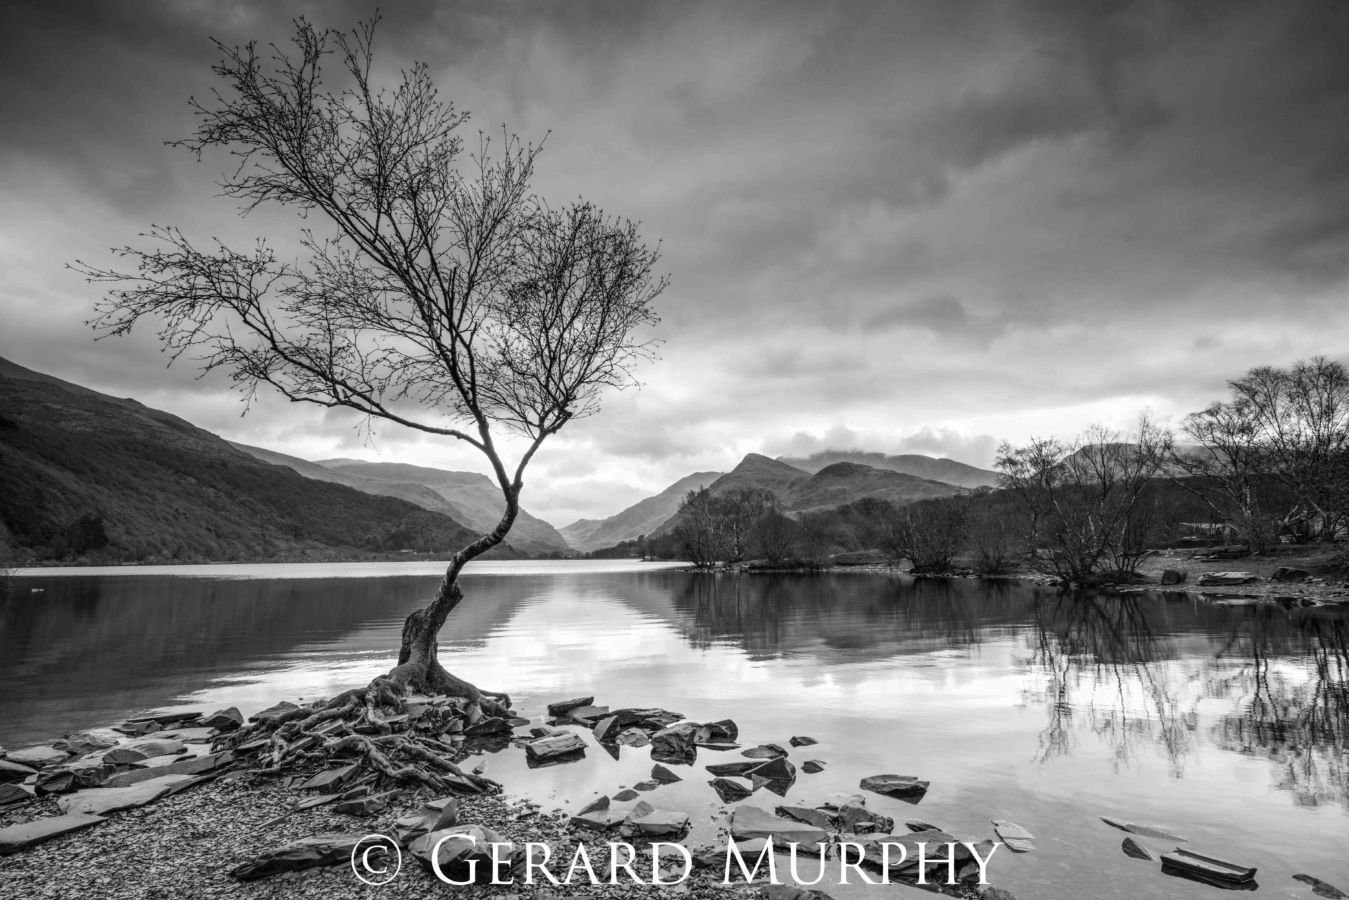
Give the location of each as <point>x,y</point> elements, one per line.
<point>732,789</point>
<point>625,795</point>
<point>137,727</point>
<point>460,859</point>
<point>655,822</point>
<point>563,707</point>
<point>11,794</point>
<point>587,715</point>
<point>601,819</point>
<point>599,803</point>
<point>764,751</point>
<point>560,746</point>
<point>663,775</point>
<point>736,768</point>
<point>751,822</point>
<point>812,766</point>
<point>724,730</point>
<point>802,741</point>
<point>855,818</point>
<point>675,743</point>
<point>101,801</point>
<point>778,768</point>
<point>633,737</point>
<point>272,713</point>
<point>1132,848</point>
<point>37,757</point>
<point>607,729</point>
<point>197,765</point>
<point>55,781</point>
<point>224,720</point>
<point>369,805</point>
<point>14,838</point>
<point>331,781</point>
<point>11,772</point>
<point>1149,831</point>
<point>1014,836</point>
<point>646,785</point>
<point>814,817</point>
<point>920,825</point>
<point>81,743</point>
<point>902,787</point>
<point>139,751</point>
<point>433,816</point>
<point>1321,888</point>
<point>306,853</point>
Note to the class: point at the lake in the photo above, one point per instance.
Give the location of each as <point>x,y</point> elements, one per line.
<point>1222,721</point>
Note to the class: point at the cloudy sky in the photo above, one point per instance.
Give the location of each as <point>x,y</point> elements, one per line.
<point>901,226</point>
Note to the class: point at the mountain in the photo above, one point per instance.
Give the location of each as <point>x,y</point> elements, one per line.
<point>472,498</point>
<point>834,485</point>
<point>641,518</point>
<point>83,474</point>
<point>947,471</point>
<point>847,482</point>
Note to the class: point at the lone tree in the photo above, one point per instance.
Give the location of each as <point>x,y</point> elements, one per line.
<point>432,287</point>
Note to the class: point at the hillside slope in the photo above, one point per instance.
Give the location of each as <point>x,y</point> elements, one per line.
<point>86,475</point>
<point>643,517</point>
<point>473,499</point>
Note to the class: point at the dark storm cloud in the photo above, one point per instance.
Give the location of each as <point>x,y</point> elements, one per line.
<point>923,224</point>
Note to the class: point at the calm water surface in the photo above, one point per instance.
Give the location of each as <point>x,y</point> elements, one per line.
<point>1225,722</point>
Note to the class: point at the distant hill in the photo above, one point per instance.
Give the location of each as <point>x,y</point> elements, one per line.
<point>474,499</point>
<point>641,518</point>
<point>86,475</point>
<point>466,497</point>
<point>834,485</point>
<point>947,471</point>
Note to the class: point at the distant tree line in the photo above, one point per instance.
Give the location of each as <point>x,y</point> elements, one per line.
<point>1271,464</point>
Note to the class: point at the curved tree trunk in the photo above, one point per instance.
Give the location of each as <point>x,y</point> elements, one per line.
<point>419,667</point>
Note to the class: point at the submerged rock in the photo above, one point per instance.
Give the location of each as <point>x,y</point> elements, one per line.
<point>1321,888</point>
<point>802,741</point>
<point>625,795</point>
<point>1150,831</point>
<point>663,775</point>
<point>902,787</point>
<point>736,768</point>
<point>306,853</point>
<point>812,766</point>
<point>14,838</point>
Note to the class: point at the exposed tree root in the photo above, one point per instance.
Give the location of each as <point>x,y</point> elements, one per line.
<point>401,728</point>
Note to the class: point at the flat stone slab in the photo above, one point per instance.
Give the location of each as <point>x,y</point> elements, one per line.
<point>555,747</point>
<point>198,765</point>
<point>1149,831</point>
<point>1226,578</point>
<point>306,853</point>
<point>11,772</point>
<point>100,801</point>
<point>1014,836</point>
<point>903,787</point>
<point>139,751</point>
<point>37,757</point>
<point>748,822</point>
<point>14,793</point>
<point>565,706</point>
<point>331,781</point>
<point>19,837</point>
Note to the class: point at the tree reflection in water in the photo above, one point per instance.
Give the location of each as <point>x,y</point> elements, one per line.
<point>1135,671</point>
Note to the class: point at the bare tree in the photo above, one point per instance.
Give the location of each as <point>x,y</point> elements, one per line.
<point>441,294</point>
<point>929,534</point>
<point>697,530</point>
<point>1301,419</point>
<point>1082,497</point>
